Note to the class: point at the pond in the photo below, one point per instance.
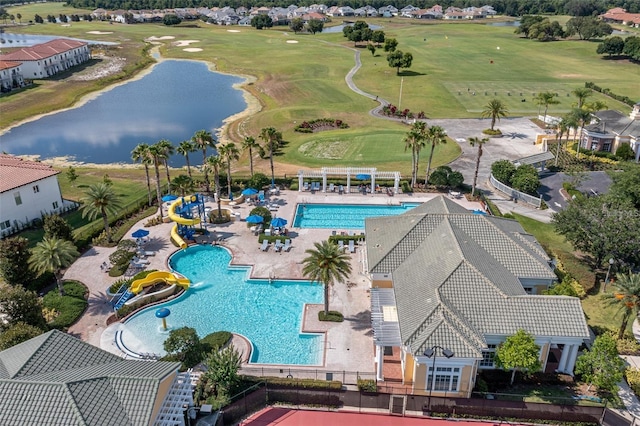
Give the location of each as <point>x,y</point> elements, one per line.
<point>339,28</point>
<point>173,101</point>
<point>505,24</point>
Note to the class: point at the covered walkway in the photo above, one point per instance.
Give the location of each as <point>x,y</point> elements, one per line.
<point>361,174</point>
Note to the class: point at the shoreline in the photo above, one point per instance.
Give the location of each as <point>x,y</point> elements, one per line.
<point>253,106</point>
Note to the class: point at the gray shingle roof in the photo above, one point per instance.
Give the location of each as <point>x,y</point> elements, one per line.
<point>56,379</point>
<point>457,278</point>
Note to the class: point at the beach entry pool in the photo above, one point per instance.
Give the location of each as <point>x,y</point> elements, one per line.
<point>221,297</point>
<point>344,216</point>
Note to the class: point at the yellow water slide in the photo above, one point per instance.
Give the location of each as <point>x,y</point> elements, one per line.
<point>157,277</point>
<point>181,220</point>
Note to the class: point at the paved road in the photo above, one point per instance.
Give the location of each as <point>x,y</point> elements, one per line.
<point>588,183</point>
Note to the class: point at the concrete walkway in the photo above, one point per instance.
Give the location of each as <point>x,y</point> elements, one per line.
<point>630,399</point>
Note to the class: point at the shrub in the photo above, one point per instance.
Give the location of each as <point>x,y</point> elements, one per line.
<point>294,382</point>
<point>215,340</point>
<point>633,379</point>
<point>258,181</point>
<point>406,188</point>
<point>18,333</point>
<point>503,171</point>
<point>56,226</point>
<point>224,217</point>
<point>494,132</point>
<point>70,306</point>
<point>332,316</point>
<point>526,179</point>
<point>264,212</point>
<point>367,385</point>
<point>628,346</point>
<point>624,152</point>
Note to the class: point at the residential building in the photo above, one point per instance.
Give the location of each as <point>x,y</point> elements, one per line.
<point>57,379</point>
<point>611,129</point>
<point>445,277</point>
<point>28,190</point>
<point>10,75</point>
<point>619,15</point>
<point>47,59</point>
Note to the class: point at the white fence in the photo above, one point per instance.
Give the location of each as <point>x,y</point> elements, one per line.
<point>515,194</point>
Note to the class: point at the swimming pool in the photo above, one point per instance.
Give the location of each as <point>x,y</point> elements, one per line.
<point>344,216</point>
<point>223,298</point>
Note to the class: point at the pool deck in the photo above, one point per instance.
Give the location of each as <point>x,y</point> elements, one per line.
<point>348,345</point>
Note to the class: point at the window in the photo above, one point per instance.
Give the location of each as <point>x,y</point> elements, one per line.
<point>607,147</point>
<point>528,290</point>
<point>36,189</point>
<point>5,225</point>
<point>447,379</point>
<point>488,357</point>
<point>55,205</point>
<point>16,196</point>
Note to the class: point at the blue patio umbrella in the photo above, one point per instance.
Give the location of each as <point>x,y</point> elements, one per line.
<point>169,197</point>
<point>278,222</point>
<point>254,218</point>
<point>249,192</point>
<point>140,233</point>
<point>363,176</point>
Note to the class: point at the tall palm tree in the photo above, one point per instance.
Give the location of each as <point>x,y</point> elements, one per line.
<point>185,148</point>
<point>562,127</point>
<point>495,110</point>
<point>154,156</point>
<point>272,140</point>
<point>326,264</point>
<point>545,99</point>
<point>165,150</point>
<point>229,152</point>
<point>414,140</point>
<point>213,163</point>
<point>627,297</point>
<point>580,116</point>
<point>141,153</point>
<point>100,200</point>
<point>183,184</point>
<point>479,142</point>
<point>582,93</point>
<point>435,136</point>
<point>53,255</point>
<point>250,144</point>
<point>202,140</point>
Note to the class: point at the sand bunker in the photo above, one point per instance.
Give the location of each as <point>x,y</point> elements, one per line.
<point>292,41</point>
<point>99,32</point>
<point>152,38</point>
<point>183,43</point>
<point>233,31</point>
<point>192,49</point>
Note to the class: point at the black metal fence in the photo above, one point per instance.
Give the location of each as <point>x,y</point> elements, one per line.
<point>346,377</point>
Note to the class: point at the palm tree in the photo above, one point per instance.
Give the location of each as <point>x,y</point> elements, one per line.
<point>479,142</point>
<point>182,183</point>
<point>435,136</point>
<point>495,110</point>
<point>185,148</point>
<point>249,143</point>
<point>546,99</point>
<point>580,116</point>
<point>627,297</point>
<point>154,156</point>
<point>100,200</point>
<point>201,140</point>
<point>562,127</point>
<point>414,140</point>
<point>165,151</point>
<point>229,152</point>
<point>141,153</point>
<point>213,163</point>
<point>272,140</point>
<point>326,264</point>
<point>52,255</point>
<point>582,93</point>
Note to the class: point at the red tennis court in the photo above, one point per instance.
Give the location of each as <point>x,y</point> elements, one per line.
<point>290,417</point>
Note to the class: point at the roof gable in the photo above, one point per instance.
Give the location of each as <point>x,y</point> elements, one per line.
<point>16,172</point>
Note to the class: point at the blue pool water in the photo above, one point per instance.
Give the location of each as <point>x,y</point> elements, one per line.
<point>343,216</point>
<point>223,298</point>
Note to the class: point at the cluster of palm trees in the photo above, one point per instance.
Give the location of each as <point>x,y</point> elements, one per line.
<point>419,136</point>
<point>157,155</point>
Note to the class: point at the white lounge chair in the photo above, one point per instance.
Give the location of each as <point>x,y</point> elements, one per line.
<point>332,187</point>
<point>352,246</point>
<point>287,245</point>
<point>305,186</point>
<point>278,246</point>
<point>265,245</point>
<point>341,245</point>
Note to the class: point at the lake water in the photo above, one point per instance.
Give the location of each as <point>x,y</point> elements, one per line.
<point>173,101</point>
<point>339,28</point>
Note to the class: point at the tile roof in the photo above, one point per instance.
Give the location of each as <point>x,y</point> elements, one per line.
<point>43,50</point>
<point>614,122</point>
<point>456,278</point>
<point>56,379</point>
<point>16,172</point>
<point>9,64</point>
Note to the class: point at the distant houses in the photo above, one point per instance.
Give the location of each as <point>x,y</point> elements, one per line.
<point>619,15</point>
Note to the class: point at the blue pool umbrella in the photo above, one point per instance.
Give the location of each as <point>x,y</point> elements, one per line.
<point>169,197</point>
<point>249,192</point>
<point>140,233</point>
<point>278,222</point>
<point>254,218</point>
<point>163,313</point>
<point>363,176</point>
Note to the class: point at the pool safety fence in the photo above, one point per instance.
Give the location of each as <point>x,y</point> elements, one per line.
<point>401,402</point>
<point>346,377</point>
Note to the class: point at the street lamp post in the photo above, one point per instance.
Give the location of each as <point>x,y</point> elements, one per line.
<point>606,279</point>
<point>429,353</point>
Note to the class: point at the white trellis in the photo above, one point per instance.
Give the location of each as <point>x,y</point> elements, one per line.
<point>349,173</point>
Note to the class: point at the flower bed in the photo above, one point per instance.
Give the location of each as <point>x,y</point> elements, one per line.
<point>319,125</point>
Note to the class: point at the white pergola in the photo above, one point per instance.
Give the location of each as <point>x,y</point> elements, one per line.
<point>349,172</point>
